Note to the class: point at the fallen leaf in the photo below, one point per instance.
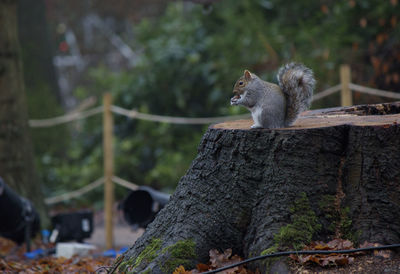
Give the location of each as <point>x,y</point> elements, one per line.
<point>385,254</point>
<point>181,270</point>
<point>338,244</point>
<point>326,259</point>
<point>202,267</point>
<point>218,260</point>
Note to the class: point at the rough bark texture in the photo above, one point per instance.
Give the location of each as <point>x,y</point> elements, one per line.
<point>339,167</point>
<point>16,156</point>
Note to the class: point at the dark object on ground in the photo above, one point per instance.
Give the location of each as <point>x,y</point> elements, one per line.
<point>141,206</point>
<point>19,220</point>
<point>74,226</point>
<point>250,190</point>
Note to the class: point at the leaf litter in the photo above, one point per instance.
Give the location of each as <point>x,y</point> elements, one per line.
<point>335,259</point>
<point>12,260</point>
<point>218,260</point>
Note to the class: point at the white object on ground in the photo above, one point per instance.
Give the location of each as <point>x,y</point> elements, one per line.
<point>68,250</point>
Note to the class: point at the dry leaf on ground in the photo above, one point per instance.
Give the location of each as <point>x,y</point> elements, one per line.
<point>327,259</point>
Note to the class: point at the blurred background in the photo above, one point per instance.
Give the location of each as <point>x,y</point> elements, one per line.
<point>179,58</point>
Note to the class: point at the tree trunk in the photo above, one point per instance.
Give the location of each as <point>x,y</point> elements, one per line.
<point>335,173</point>
<point>37,54</point>
<point>16,156</point>
<point>40,79</point>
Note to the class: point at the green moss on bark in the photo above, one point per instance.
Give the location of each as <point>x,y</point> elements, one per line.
<point>180,253</point>
<point>149,253</point>
<point>339,219</point>
<point>301,230</point>
<point>346,226</point>
<point>145,257</point>
<point>296,234</point>
<point>270,250</point>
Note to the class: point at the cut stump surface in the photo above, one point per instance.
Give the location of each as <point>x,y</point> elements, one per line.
<point>364,115</point>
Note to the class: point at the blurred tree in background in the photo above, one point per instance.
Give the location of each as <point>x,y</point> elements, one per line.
<point>187,58</point>
<point>40,80</point>
<point>17,166</point>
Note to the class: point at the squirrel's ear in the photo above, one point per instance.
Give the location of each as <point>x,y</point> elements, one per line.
<point>247,75</point>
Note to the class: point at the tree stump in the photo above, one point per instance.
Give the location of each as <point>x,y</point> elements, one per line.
<point>334,173</point>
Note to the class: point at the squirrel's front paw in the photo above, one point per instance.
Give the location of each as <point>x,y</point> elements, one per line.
<point>256,126</point>
<point>234,100</point>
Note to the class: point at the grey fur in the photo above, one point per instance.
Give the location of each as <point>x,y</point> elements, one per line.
<point>274,106</point>
<point>297,83</point>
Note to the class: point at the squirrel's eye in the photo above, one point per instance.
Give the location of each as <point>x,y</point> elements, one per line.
<point>240,83</point>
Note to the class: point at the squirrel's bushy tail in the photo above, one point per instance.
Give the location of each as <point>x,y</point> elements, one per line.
<point>297,83</point>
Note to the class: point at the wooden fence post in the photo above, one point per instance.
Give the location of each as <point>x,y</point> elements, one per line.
<point>346,98</point>
<point>108,169</point>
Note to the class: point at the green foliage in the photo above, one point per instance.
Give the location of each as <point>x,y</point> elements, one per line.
<point>188,63</point>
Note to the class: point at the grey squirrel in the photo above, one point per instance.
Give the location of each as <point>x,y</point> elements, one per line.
<point>271,105</point>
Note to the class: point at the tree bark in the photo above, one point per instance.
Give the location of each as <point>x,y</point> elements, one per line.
<point>335,173</point>
<point>37,54</point>
<point>16,156</point>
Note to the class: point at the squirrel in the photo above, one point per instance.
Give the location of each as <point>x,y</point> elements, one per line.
<point>271,105</point>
